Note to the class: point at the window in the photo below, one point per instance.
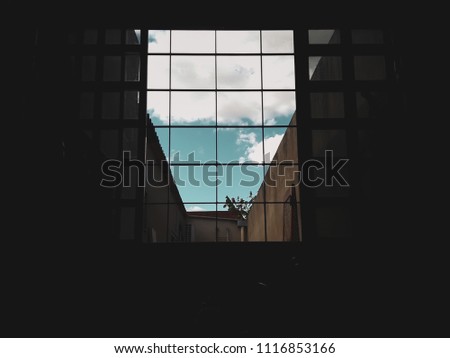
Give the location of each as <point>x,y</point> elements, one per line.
<point>222,105</point>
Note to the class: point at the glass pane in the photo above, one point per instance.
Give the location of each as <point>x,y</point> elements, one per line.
<point>324,37</point>
<point>90,37</point>
<point>365,149</point>
<point>158,144</point>
<point>130,141</point>
<point>204,210</point>
<point>329,140</point>
<point>193,108</point>
<point>88,68</point>
<point>326,68</point>
<point>158,107</point>
<point>133,37</point>
<point>370,104</point>
<point>129,191</point>
<point>131,105</point>
<point>193,72</point>
<point>279,107</point>
<point>110,105</point>
<point>238,181</point>
<point>195,183</point>
<point>367,36</point>
<point>239,108</point>
<point>256,223</point>
<point>87,105</point>
<point>109,143</point>
<point>333,222</point>
<point>156,223</point>
<point>278,41</point>
<point>132,68</point>
<point>202,224</point>
<point>327,105</point>
<point>158,72</point>
<point>193,145</point>
<point>278,72</point>
<point>370,68</point>
<point>238,72</point>
<point>156,189</point>
<point>283,221</point>
<point>113,37</point>
<point>158,41</point>
<point>111,70</point>
<point>239,145</point>
<point>280,144</point>
<point>330,188</point>
<point>282,182</point>
<point>193,41</point>
<point>238,42</point>
<point>127,223</point>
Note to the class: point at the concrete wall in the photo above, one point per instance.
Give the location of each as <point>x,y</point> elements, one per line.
<point>283,220</point>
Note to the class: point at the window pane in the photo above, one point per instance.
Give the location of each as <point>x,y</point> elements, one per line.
<point>238,42</point>
<point>327,105</point>
<point>131,105</point>
<point>111,70</point>
<point>87,105</point>
<point>130,141</point>
<point>90,37</point>
<point>158,107</point>
<point>370,68</point>
<point>239,180</point>
<point>193,108</point>
<point>323,140</point>
<point>158,72</point>
<point>279,107</point>
<point>110,105</point>
<point>88,68</point>
<point>112,37</point>
<point>324,37</point>
<point>280,144</point>
<point>326,68</point>
<point>202,223</point>
<point>367,36</point>
<point>193,145</point>
<point>129,192</point>
<point>133,37</point>
<point>132,67</point>
<point>193,41</point>
<point>370,104</point>
<point>109,143</point>
<point>240,145</point>
<point>239,108</point>
<point>157,144</point>
<point>278,72</point>
<point>195,183</point>
<point>238,72</point>
<point>283,221</point>
<point>278,41</point>
<point>256,222</point>
<point>158,41</point>
<point>193,72</point>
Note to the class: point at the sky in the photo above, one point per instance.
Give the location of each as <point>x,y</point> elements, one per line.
<point>233,110</point>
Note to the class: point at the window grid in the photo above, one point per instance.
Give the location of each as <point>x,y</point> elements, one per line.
<point>171,125</point>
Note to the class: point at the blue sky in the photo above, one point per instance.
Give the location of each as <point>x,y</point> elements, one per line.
<point>235,110</point>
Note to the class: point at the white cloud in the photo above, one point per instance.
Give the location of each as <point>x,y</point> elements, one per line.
<point>195,208</point>
<point>233,107</point>
<point>238,72</point>
<point>278,72</point>
<point>254,150</point>
<point>238,41</point>
<point>278,41</point>
<point>158,41</point>
<point>278,104</point>
<point>189,107</point>
<point>193,41</point>
<point>193,72</point>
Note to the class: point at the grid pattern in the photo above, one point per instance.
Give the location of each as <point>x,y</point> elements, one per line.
<point>244,86</point>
